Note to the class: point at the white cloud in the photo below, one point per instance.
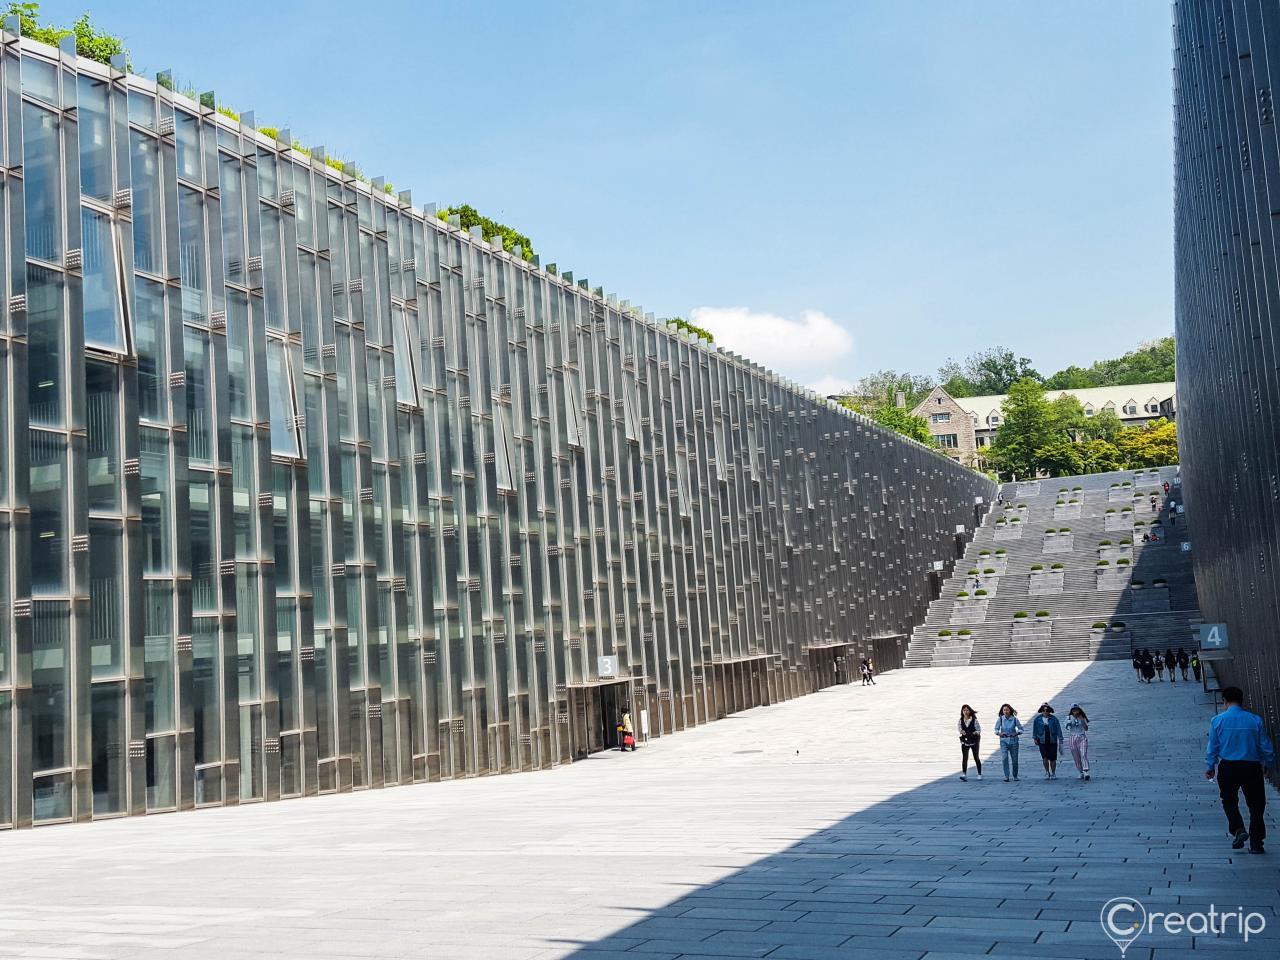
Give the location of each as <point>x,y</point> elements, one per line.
<point>792,347</point>
<point>829,385</point>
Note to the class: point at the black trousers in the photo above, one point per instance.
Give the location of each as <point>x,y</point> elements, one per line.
<point>965,748</point>
<point>1246,775</point>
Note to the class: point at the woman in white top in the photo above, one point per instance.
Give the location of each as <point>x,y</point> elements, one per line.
<point>970,739</point>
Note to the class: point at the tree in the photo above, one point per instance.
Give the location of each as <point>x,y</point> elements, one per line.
<point>469,217</point>
<point>1151,362</point>
<point>1154,444</point>
<point>1072,378</point>
<point>1027,427</point>
<point>1100,456</point>
<point>1066,417</point>
<point>883,386</point>
<point>895,418</point>
<point>991,371</point>
<point>90,42</point>
<point>702,333</point>
<point>1103,425</point>
<point>1060,457</point>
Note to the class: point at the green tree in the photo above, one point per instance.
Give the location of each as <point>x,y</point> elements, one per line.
<point>991,371</point>
<point>1066,417</point>
<point>883,386</point>
<point>1100,456</point>
<point>1150,362</point>
<point>1154,444</point>
<point>895,418</point>
<point>1103,425</point>
<point>1027,427</point>
<point>1060,457</point>
<point>469,217</point>
<point>680,323</point>
<point>1072,378</point>
<point>90,42</point>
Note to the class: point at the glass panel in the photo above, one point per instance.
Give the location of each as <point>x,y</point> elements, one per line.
<point>320,575</point>
<point>251,773</point>
<point>317,453</point>
<point>42,183</point>
<point>204,563</point>
<point>50,678</point>
<point>47,353</point>
<point>154,445</point>
<point>51,797</point>
<point>191,254</point>
<point>6,757</point>
<point>103,300</point>
<point>303,214</point>
<point>162,779</point>
<point>40,79</point>
<point>248,640</point>
<point>243,508</point>
<point>272,287</point>
<point>149,334</point>
<point>206,671</point>
<point>106,600</point>
<point>290,765</point>
<point>199,397</point>
<point>158,644</point>
<point>148,227</point>
<point>239,369</point>
<point>232,207</point>
<point>284,439</point>
<point>187,131</point>
<point>325,744</point>
<point>281,514</point>
<point>94,109</point>
<point>286,671</point>
<point>142,109</point>
<point>48,470</point>
<point>107,741</point>
<point>102,415</point>
<point>209,786</point>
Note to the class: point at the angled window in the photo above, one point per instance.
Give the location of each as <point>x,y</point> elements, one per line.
<point>105,305</point>
<point>284,437</point>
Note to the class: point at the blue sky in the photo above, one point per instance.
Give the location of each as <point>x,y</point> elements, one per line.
<point>833,187</point>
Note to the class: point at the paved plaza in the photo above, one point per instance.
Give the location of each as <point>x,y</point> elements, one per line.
<point>832,826</point>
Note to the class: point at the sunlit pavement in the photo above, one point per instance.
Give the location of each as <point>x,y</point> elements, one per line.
<point>832,826</point>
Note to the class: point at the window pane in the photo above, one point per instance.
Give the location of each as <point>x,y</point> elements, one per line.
<point>161,774</point>
<point>94,113</point>
<point>148,235</point>
<point>191,253</point>
<point>40,79</point>
<point>281,514</point>
<point>6,757</point>
<point>284,440</point>
<point>47,353</point>
<point>271,282</point>
<point>232,207</point>
<point>42,183</point>
<point>243,508</point>
<point>199,397</point>
<point>157,623</point>
<point>50,676</point>
<point>204,567</point>
<point>251,773</point>
<point>142,109</point>
<point>149,335</point>
<point>239,369</point>
<point>106,594</point>
<point>107,741</point>
<point>154,446</point>
<point>206,673</point>
<point>102,411</point>
<point>187,131</point>
<point>48,513</point>
<point>249,642</point>
<point>103,311</point>
<point>286,669</point>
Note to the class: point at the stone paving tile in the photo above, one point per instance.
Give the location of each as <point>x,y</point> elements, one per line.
<point>857,845</point>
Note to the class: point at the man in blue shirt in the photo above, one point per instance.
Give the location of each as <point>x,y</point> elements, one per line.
<point>1241,750</point>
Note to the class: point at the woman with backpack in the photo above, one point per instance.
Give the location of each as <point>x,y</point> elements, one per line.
<point>1008,729</point>
<point>970,739</point>
<point>1047,734</point>
<point>1184,661</point>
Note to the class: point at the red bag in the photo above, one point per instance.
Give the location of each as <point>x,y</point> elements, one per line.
<point>628,740</point>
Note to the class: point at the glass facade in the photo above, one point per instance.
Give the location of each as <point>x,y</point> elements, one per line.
<point>1227,257</point>
<point>303,489</point>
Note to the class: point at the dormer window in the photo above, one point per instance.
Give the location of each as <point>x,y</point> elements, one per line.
<point>1088,410</point>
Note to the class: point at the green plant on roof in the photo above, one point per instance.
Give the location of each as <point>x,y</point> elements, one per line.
<point>1001,552</point>
<point>1016,520</point>
<point>1104,543</point>
<point>1042,613</point>
<point>979,593</point>
<point>90,41</point>
<point>1073,500</point>
<point>1117,625</point>
<point>1056,566</point>
<point>1126,542</point>
<point>984,553</point>
<point>1062,489</point>
<point>1021,614</point>
<point>989,570</point>
<point>973,572</point>
<point>1064,529</point>
<point>1123,562</point>
<point>1037,566</point>
<point>1077,488</point>
<point>469,217</point>
<point>944,633</point>
<point>1159,581</point>
<point>965,633</point>
<point>1104,563</point>
<point>1050,530</point>
<point>702,333</point>
<point>1100,625</point>
<point>1111,509</point>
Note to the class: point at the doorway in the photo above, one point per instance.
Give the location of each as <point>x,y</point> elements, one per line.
<point>596,711</point>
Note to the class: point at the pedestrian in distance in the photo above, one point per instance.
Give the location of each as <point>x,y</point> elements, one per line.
<point>1240,752</point>
<point>1184,661</point>
<point>863,671</point>
<point>970,740</point>
<point>1078,739</point>
<point>871,671</point>
<point>1137,664</point>
<point>1153,503</point>
<point>627,731</point>
<point>1008,729</point>
<point>1195,665</point>
<point>1047,734</point>
<point>1148,666</point>
<point>1159,664</point>
<point>1171,662</point>
<point>1166,488</point>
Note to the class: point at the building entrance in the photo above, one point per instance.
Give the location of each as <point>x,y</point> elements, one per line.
<point>597,710</point>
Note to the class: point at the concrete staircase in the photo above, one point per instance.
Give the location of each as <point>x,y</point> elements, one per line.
<point>1088,590</point>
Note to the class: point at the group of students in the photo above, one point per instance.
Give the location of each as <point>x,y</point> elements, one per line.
<point>1147,666</point>
<point>868,671</point>
<point>1046,731</point>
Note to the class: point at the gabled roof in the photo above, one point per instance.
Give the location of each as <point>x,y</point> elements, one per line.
<point>1098,397</point>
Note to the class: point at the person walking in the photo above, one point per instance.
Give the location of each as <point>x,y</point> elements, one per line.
<point>970,740</point>
<point>863,669</point>
<point>871,671</point>
<point>1153,503</point>
<point>1008,729</point>
<point>1047,734</point>
<point>1159,665</point>
<point>1184,661</point>
<point>1078,739</point>
<point>1240,751</point>
<point>1195,665</point>
<point>628,732</point>
<point>1171,662</point>
<point>1137,664</point>
<point>1148,666</point>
